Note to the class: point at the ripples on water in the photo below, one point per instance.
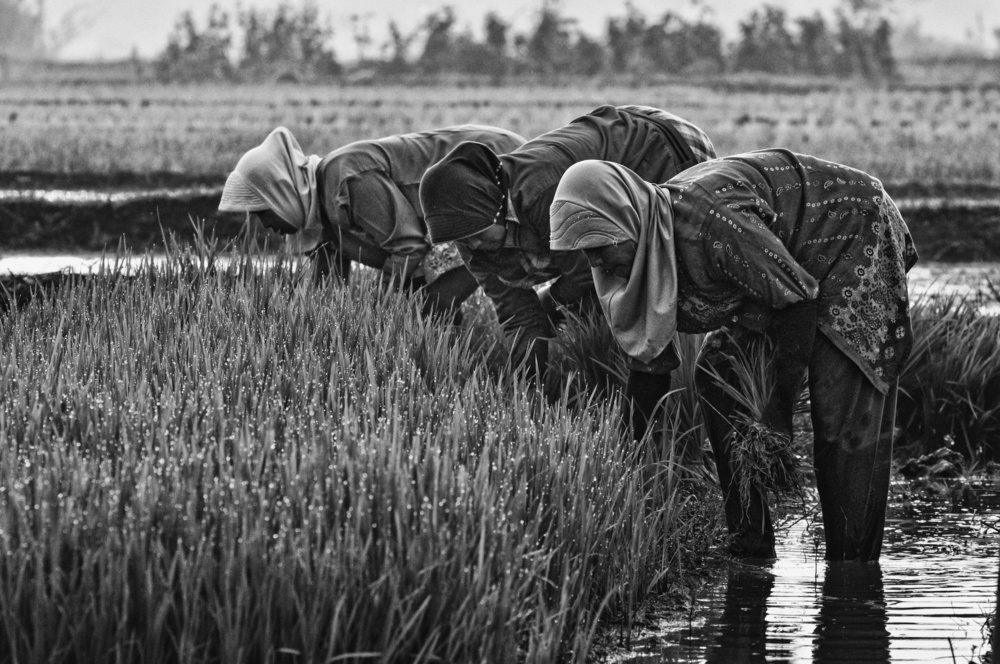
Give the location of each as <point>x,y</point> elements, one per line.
<point>927,600</point>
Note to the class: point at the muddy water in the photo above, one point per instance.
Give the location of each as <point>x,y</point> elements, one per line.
<point>925,601</point>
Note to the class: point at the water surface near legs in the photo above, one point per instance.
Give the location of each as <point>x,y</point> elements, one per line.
<point>927,600</point>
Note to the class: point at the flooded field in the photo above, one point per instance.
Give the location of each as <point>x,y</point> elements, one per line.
<point>927,600</point>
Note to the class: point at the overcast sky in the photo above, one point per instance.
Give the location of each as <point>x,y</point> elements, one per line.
<point>114,28</point>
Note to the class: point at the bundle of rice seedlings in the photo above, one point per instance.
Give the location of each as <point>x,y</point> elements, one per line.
<point>764,460</point>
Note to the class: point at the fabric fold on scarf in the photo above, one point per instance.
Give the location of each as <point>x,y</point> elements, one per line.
<point>283,178</point>
<point>464,193</point>
<point>598,203</point>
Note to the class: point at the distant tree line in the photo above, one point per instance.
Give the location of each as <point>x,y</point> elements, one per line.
<point>292,42</point>
<point>289,42</point>
<point>20,31</point>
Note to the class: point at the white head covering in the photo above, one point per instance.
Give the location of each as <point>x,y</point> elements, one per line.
<point>277,175</point>
<point>598,203</point>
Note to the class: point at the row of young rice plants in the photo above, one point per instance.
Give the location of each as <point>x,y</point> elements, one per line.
<point>950,387</point>
<point>899,135</point>
<point>222,461</point>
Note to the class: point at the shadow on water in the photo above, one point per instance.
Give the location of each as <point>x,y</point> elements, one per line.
<point>927,600</point>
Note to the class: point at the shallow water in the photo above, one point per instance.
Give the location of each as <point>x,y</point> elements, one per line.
<point>927,599</point>
<point>84,197</point>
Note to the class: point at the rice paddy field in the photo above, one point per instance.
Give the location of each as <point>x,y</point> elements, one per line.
<point>205,464</point>
<point>907,134</point>
<point>217,459</point>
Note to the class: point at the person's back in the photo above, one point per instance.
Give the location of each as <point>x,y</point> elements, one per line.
<point>403,159</point>
<point>369,190</point>
<point>359,203</point>
<point>474,188</point>
<point>836,222</point>
<point>654,144</point>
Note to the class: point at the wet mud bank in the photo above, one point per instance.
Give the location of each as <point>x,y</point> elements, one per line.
<point>89,212</point>
<point>94,212</point>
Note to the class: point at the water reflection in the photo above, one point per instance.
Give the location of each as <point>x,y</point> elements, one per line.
<point>852,621</point>
<point>926,600</point>
<point>742,625</point>
<point>850,624</point>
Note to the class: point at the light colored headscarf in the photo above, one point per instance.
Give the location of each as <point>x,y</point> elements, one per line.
<point>598,203</point>
<point>277,175</point>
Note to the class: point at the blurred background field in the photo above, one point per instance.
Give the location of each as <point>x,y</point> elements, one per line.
<point>905,135</point>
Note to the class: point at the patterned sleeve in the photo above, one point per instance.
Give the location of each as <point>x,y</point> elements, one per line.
<point>743,251</point>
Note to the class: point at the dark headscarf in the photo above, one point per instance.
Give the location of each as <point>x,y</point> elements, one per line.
<point>464,193</point>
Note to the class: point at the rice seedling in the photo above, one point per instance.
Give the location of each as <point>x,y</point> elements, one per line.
<point>950,386</point>
<point>220,460</point>
<point>764,461</point>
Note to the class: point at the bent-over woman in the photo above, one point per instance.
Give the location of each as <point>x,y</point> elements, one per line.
<point>811,253</point>
<point>359,203</point>
<point>495,206</point>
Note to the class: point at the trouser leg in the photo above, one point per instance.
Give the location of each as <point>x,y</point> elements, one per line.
<point>747,518</point>
<point>853,430</point>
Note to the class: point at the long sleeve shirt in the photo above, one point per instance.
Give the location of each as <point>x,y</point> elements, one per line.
<point>369,189</point>
<point>760,231</point>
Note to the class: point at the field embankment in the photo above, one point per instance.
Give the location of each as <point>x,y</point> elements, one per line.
<point>90,212</point>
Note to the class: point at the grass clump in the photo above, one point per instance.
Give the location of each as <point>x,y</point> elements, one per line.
<point>763,460</point>
<point>950,386</point>
<point>218,460</point>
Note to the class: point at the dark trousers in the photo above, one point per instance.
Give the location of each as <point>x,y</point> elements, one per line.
<point>853,429</point>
